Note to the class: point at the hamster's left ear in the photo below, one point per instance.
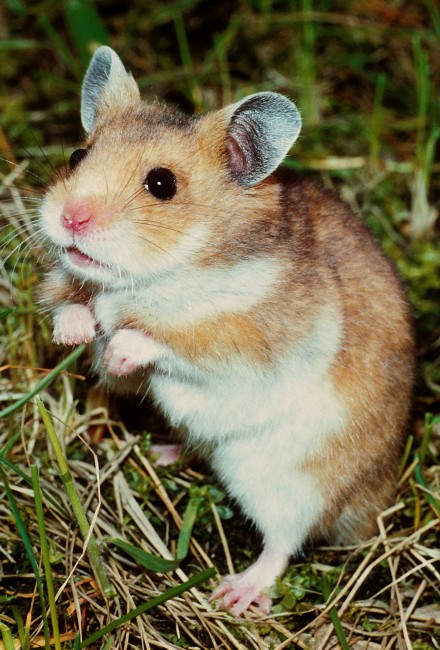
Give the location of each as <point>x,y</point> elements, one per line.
<point>107,85</point>
<point>262,128</point>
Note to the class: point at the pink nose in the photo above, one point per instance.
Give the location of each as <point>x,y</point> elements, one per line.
<point>77,214</point>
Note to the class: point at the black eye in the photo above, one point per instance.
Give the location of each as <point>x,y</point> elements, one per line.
<point>161,183</point>
<point>76,157</point>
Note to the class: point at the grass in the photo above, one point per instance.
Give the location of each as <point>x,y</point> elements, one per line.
<point>365,76</point>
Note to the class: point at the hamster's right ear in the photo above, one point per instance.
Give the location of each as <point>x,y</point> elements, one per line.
<point>260,131</point>
<point>107,85</point>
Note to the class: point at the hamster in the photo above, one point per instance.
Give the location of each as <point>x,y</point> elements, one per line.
<point>252,305</point>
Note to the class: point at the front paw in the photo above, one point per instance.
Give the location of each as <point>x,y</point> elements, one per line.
<point>74,324</point>
<point>130,350</point>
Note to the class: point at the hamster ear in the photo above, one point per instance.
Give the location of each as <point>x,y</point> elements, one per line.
<point>106,85</point>
<point>262,128</point>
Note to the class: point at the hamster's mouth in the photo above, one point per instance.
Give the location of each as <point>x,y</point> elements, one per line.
<point>78,258</point>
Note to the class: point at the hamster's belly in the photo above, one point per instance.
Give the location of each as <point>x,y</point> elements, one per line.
<point>215,408</point>
<point>237,397</point>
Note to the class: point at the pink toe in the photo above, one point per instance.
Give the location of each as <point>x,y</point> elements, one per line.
<point>165,454</point>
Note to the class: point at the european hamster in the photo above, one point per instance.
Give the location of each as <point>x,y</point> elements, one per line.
<point>254,307</point>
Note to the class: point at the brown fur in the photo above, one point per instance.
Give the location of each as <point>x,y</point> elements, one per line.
<point>373,372</point>
<point>55,289</point>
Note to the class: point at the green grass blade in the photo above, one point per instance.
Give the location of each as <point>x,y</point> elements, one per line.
<point>6,312</point>
<point>75,501</point>
<point>188,522</point>
<point>185,55</point>
<point>166,13</point>
<point>86,27</point>
<point>376,122</point>
<point>59,46</point>
<point>326,591</point>
<point>6,599</point>
<point>418,475</point>
<point>22,632</point>
<point>427,431</point>
<point>435,15</point>
<point>147,560</point>
<point>18,44</point>
<point>44,382</point>
<point>20,526</point>
<point>17,6</point>
<point>406,453</point>
<point>145,607</point>
<point>8,641</point>
<point>29,551</point>
<point>27,479</point>
<point>8,446</point>
<point>46,556</point>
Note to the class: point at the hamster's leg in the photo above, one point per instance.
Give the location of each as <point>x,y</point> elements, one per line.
<point>273,490</point>
<point>129,350</point>
<point>74,324</point>
<point>237,592</point>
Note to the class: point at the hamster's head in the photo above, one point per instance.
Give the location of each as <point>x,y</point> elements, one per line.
<point>150,186</point>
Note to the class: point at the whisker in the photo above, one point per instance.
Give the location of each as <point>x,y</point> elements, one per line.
<point>64,160</point>
<point>11,242</point>
<point>20,220</point>
<point>19,169</point>
<point>55,170</point>
<point>30,251</point>
<point>106,185</point>
<point>188,204</point>
<point>42,255</point>
<point>23,197</point>
<point>24,214</point>
<point>156,224</point>
<point>163,250</point>
<point>132,197</point>
<point>127,182</point>
<point>17,247</point>
<point>17,229</point>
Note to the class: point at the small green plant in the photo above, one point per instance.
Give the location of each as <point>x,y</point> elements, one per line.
<point>423,214</point>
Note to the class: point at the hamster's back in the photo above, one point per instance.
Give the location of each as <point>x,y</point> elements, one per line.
<point>373,370</point>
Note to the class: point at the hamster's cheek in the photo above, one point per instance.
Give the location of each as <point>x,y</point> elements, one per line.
<point>141,253</point>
